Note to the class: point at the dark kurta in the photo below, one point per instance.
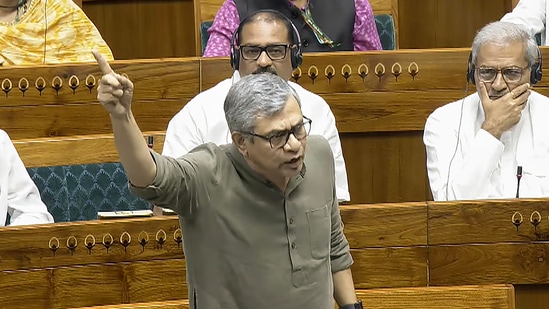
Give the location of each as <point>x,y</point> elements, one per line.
<point>336,18</point>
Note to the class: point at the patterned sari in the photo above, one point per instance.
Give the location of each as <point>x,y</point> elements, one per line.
<point>50,31</point>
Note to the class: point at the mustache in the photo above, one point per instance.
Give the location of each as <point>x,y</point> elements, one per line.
<point>497,95</point>
<point>265,70</point>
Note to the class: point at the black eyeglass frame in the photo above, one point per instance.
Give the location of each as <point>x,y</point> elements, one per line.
<point>292,131</point>
<point>501,71</point>
<point>264,49</point>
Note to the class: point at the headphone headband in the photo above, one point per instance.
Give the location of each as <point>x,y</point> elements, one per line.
<point>296,53</point>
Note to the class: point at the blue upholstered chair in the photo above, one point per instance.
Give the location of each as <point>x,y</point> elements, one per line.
<point>79,192</point>
<point>385,25</point>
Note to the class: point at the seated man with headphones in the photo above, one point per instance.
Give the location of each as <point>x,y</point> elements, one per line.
<point>265,42</point>
<point>495,142</point>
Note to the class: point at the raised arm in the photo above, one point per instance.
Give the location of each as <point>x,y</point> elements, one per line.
<point>115,94</point>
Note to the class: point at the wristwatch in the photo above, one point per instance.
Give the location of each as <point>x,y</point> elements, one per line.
<point>357,305</point>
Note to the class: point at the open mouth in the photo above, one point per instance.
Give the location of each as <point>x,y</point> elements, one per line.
<point>294,160</point>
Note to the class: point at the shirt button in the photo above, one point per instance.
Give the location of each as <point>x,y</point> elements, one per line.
<point>305,43</point>
<point>291,220</point>
<point>294,245</point>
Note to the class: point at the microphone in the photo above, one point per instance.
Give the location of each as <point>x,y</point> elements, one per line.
<point>519,176</point>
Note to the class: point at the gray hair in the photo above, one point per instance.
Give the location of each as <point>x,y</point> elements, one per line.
<point>256,95</point>
<point>502,34</point>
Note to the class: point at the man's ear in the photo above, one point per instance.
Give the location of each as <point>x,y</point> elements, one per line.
<point>241,142</point>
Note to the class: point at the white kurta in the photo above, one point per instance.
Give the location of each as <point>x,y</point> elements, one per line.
<point>481,165</point>
<point>532,14</point>
<point>202,120</point>
<point>18,194</point>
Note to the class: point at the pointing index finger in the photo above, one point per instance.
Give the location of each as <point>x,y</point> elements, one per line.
<point>103,64</point>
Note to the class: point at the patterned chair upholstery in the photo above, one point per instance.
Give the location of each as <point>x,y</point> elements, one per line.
<point>204,35</point>
<point>385,25</point>
<point>79,192</point>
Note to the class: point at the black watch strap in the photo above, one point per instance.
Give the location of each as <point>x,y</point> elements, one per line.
<point>357,305</point>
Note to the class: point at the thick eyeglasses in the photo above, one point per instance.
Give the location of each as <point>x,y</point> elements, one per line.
<point>279,139</point>
<point>510,74</point>
<point>275,52</point>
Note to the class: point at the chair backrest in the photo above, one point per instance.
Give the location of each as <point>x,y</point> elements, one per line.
<point>204,11</point>
<point>385,12</point>
<point>75,181</point>
<point>79,192</point>
<point>385,24</point>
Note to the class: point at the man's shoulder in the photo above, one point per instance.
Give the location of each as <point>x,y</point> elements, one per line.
<point>317,143</point>
<point>304,93</point>
<point>539,98</point>
<point>220,90</point>
<point>207,151</point>
<point>4,135</point>
<point>312,104</point>
<point>319,153</point>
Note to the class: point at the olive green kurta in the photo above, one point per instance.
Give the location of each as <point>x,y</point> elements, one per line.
<point>247,244</point>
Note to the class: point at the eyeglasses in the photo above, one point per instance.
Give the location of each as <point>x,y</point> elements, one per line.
<point>510,74</point>
<point>275,52</point>
<point>279,139</point>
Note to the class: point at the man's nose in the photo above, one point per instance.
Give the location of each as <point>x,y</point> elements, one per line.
<point>293,143</point>
<point>264,59</point>
<point>499,83</point>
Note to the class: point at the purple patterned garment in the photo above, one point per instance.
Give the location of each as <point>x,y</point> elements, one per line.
<point>365,36</point>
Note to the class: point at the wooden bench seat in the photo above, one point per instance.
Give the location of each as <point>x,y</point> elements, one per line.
<point>394,246</point>
<point>458,297</point>
<point>174,304</point>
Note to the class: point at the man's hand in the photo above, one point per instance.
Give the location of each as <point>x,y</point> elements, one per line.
<point>505,112</point>
<point>114,91</point>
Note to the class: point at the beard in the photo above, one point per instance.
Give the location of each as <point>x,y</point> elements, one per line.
<point>265,70</point>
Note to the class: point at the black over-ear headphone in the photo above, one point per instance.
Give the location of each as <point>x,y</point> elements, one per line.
<point>296,53</point>
<point>535,69</point>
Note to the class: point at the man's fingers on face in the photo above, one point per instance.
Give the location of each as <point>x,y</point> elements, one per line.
<point>483,93</point>
<point>520,90</point>
<point>103,64</point>
<point>521,94</point>
<point>523,98</point>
